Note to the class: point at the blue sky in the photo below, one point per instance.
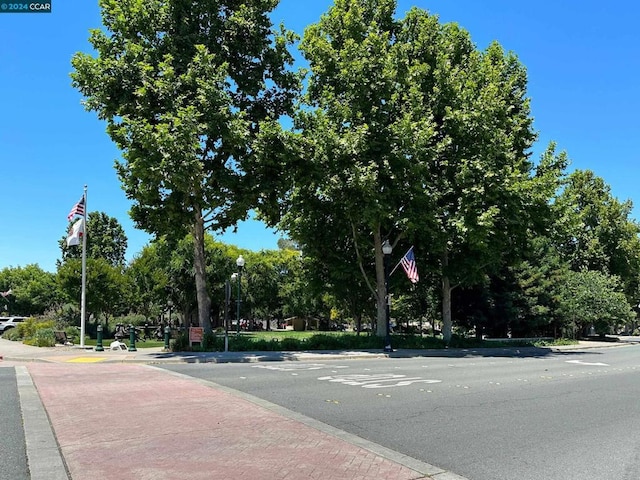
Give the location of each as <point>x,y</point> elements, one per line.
<point>581,56</point>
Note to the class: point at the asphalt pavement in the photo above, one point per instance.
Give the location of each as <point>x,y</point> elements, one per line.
<point>13,456</point>
<point>111,415</point>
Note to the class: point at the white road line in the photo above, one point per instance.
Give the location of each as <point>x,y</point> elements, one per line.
<point>595,364</point>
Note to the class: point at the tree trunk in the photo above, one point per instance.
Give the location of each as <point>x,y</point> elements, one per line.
<point>446,300</point>
<point>204,301</point>
<point>381,326</point>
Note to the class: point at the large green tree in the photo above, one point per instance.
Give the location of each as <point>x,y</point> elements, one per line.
<point>33,291</point>
<point>106,288</point>
<point>105,239</point>
<point>186,87</point>
<point>593,230</point>
<point>149,279</point>
<point>412,133</point>
<point>591,298</point>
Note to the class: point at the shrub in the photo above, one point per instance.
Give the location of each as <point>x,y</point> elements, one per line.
<point>12,334</point>
<point>28,328</point>
<point>33,332</point>
<point>44,337</point>
<point>240,344</point>
<point>181,343</point>
<point>211,343</point>
<point>289,343</point>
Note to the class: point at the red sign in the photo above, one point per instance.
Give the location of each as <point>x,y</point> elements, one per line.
<point>196,334</point>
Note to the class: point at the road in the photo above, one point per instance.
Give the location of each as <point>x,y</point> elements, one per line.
<point>529,415</point>
<point>13,455</point>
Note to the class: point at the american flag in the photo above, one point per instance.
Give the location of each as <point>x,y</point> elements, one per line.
<point>77,209</point>
<point>408,263</point>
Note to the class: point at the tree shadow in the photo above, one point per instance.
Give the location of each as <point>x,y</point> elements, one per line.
<point>319,355</point>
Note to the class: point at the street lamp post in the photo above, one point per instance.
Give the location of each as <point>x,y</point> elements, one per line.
<point>386,250</point>
<point>227,301</point>
<point>234,278</point>
<point>240,264</point>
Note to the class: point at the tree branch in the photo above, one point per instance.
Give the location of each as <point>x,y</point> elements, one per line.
<point>364,274</point>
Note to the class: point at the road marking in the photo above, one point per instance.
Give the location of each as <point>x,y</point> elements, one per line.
<point>86,360</point>
<point>595,364</point>
<point>298,366</point>
<point>383,380</point>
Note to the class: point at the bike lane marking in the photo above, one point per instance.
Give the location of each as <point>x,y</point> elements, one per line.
<point>384,380</point>
<point>297,366</point>
<point>594,364</point>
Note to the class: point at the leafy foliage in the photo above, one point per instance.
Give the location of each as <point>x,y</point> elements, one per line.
<point>591,298</point>
<point>33,290</point>
<point>411,133</point>
<point>185,88</point>
<point>105,239</point>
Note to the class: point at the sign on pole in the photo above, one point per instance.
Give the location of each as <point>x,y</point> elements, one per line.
<point>196,334</point>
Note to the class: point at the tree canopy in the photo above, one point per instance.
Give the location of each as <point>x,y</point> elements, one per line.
<point>411,134</point>
<point>185,87</point>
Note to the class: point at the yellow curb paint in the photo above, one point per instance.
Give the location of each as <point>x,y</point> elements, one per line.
<point>86,360</point>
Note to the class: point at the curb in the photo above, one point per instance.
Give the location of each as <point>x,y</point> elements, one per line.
<point>160,357</point>
<point>430,472</point>
<point>44,458</point>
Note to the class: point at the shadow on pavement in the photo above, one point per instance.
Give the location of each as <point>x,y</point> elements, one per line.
<point>252,357</point>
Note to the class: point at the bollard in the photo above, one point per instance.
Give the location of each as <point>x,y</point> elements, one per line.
<point>132,338</point>
<point>167,333</point>
<point>99,347</point>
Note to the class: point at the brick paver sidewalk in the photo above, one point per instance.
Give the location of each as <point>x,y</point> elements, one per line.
<point>135,422</point>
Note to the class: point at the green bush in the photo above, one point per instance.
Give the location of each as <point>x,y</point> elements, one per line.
<point>211,343</point>
<point>12,334</point>
<point>240,343</point>
<point>300,341</point>
<point>44,337</point>
<point>181,343</point>
<point>289,343</point>
<point>34,332</point>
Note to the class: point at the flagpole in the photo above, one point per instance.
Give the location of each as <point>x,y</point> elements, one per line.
<point>83,296</point>
<point>398,264</point>
<point>396,267</point>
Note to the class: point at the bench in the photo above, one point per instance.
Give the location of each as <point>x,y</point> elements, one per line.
<point>61,338</point>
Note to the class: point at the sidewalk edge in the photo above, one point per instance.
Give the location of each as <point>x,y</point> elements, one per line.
<point>43,453</point>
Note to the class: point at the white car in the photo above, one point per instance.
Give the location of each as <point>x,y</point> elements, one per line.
<point>9,322</point>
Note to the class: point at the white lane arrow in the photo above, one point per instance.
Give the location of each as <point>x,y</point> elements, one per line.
<point>595,364</point>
